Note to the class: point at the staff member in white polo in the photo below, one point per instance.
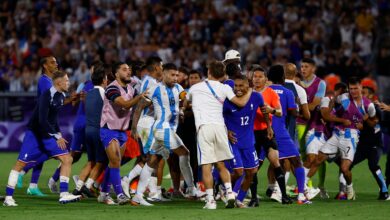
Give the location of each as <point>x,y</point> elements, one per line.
<point>207,100</point>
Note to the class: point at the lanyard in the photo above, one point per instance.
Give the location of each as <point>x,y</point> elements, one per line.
<point>213,92</point>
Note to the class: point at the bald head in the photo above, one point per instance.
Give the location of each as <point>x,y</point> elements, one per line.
<point>290,70</point>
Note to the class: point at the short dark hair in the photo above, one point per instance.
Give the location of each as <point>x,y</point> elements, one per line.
<point>216,69</point>
<point>241,77</point>
<point>97,63</point>
<point>257,67</point>
<point>151,62</point>
<point>58,74</point>
<point>195,72</point>
<point>136,66</point>
<point>232,70</point>
<point>169,66</point>
<point>309,60</point>
<point>354,81</point>
<point>99,74</point>
<point>340,85</point>
<point>116,66</point>
<point>44,60</point>
<point>184,70</point>
<point>276,74</point>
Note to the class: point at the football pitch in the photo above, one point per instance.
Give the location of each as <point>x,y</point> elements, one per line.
<point>366,206</point>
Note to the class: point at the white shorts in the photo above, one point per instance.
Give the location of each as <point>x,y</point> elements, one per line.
<point>144,130</point>
<point>344,142</point>
<point>213,144</point>
<point>166,140</point>
<point>314,141</point>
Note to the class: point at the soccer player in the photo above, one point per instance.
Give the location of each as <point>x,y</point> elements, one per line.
<point>300,95</point>
<point>356,109</point>
<point>118,100</point>
<point>95,107</point>
<point>43,137</point>
<point>49,66</point>
<point>240,122</point>
<point>165,98</point>
<point>264,136</point>
<point>307,129</point>
<point>141,130</point>
<point>370,146</point>
<point>286,146</point>
<point>207,100</point>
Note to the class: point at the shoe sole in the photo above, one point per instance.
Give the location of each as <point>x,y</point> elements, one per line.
<point>69,201</point>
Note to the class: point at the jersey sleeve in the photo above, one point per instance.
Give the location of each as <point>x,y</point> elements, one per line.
<point>228,92</point>
<point>321,89</point>
<point>371,110</point>
<point>112,92</point>
<point>325,102</point>
<point>301,94</point>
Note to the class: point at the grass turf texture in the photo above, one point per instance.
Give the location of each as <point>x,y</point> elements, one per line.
<point>365,207</point>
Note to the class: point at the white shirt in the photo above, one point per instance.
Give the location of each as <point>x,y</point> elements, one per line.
<point>206,107</point>
<point>300,91</point>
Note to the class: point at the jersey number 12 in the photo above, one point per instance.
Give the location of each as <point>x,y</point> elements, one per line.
<point>244,120</point>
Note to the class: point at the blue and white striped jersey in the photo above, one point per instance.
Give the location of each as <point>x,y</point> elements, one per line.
<point>166,105</point>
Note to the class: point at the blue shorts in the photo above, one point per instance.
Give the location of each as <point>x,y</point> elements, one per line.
<point>286,147</point>
<point>36,150</point>
<point>95,148</point>
<point>107,135</point>
<point>245,158</point>
<point>78,140</point>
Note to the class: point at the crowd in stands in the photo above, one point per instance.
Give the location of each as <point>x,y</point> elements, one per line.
<point>339,35</point>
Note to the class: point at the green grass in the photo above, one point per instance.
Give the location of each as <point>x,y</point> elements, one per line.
<point>365,207</point>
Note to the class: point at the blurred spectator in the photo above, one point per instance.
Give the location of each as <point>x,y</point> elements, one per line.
<point>188,33</point>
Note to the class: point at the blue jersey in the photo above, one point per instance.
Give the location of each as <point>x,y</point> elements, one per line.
<point>166,105</point>
<point>241,120</point>
<point>287,102</point>
<point>44,83</point>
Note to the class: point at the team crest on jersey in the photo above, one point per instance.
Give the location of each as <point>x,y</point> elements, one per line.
<point>251,106</point>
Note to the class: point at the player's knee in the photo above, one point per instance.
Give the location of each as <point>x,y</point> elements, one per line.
<point>66,160</point>
<point>19,166</point>
<point>239,172</point>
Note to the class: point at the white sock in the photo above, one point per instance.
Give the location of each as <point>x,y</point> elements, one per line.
<point>228,187</point>
<point>144,179</point>
<point>22,172</point>
<point>342,183</point>
<point>96,185</point>
<point>33,185</point>
<point>286,176</point>
<point>186,171</point>
<point>152,184</point>
<point>159,190</point>
<point>13,179</point>
<point>89,183</point>
<point>306,172</point>
<point>210,194</point>
<point>136,171</point>
<point>79,184</point>
<point>301,196</point>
